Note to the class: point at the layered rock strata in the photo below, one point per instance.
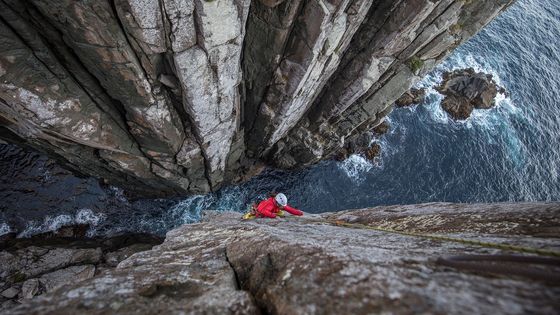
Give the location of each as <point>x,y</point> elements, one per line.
<point>305,265</point>
<point>30,267</point>
<point>182,96</point>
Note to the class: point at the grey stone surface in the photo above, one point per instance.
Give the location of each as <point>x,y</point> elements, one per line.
<point>29,288</point>
<point>308,265</point>
<point>171,97</point>
<point>33,261</point>
<point>71,275</point>
<point>31,267</point>
<point>114,258</point>
<point>10,292</point>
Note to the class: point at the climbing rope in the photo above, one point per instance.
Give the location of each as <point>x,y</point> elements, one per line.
<point>514,248</point>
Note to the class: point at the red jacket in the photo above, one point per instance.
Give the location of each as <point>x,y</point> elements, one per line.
<point>269,208</point>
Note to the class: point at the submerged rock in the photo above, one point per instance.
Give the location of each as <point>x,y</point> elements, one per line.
<point>466,90</point>
<point>312,265</point>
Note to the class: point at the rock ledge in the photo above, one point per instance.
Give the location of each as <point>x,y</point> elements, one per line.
<point>302,265</point>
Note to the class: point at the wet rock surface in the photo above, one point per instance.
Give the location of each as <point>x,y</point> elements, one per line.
<point>465,90</point>
<point>364,145</point>
<point>156,97</point>
<point>306,265</point>
<point>31,267</point>
<point>382,128</point>
<point>411,97</point>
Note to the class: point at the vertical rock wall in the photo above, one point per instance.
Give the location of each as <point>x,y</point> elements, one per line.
<point>398,43</point>
<point>182,96</point>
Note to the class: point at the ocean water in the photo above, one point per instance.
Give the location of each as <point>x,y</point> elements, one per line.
<point>508,153</point>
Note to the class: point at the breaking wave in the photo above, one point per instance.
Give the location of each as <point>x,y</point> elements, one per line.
<point>53,223</point>
<point>355,167</point>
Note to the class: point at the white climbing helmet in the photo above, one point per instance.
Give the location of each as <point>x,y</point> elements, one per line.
<point>281,199</point>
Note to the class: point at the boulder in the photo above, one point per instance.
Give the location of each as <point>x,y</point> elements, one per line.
<point>382,128</point>
<point>35,261</point>
<point>363,144</point>
<point>373,151</point>
<point>465,90</point>
<point>30,267</point>
<point>411,97</point>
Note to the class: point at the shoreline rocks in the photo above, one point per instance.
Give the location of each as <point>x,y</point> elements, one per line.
<point>411,97</point>
<point>465,90</point>
<point>363,145</point>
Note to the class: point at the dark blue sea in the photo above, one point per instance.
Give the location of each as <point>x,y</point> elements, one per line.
<point>508,153</point>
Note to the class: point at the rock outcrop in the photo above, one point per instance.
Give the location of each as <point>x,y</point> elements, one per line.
<point>181,96</point>
<point>412,97</point>
<point>309,265</point>
<point>465,90</point>
<point>30,267</point>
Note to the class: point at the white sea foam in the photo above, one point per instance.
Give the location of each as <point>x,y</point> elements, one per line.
<point>356,166</point>
<point>484,118</point>
<point>5,228</point>
<point>118,193</point>
<point>49,223</point>
<point>189,209</point>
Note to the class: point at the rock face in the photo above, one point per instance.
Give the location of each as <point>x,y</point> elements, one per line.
<point>465,90</point>
<point>41,264</point>
<point>306,265</point>
<point>181,96</point>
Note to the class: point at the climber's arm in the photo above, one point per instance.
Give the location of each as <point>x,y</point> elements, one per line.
<point>291,210</point>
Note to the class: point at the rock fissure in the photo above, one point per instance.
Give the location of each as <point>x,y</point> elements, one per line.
<point>297,11</point>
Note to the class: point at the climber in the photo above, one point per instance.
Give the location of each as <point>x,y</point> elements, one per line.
<point>272,207</point>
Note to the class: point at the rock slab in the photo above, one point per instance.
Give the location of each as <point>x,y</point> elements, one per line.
<point>306,265</point>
